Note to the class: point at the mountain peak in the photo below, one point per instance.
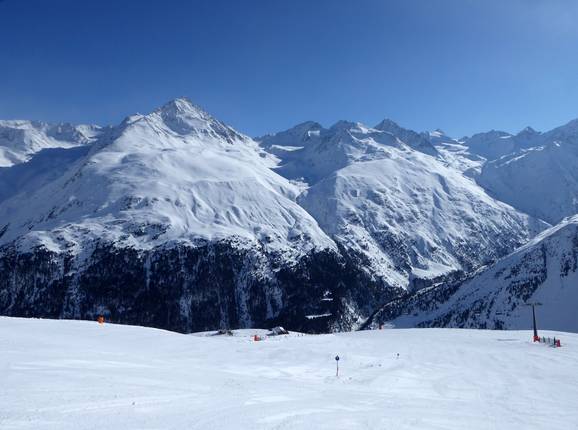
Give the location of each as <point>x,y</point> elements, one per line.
<point>186,118</point>
<point>344,125</point>
<point>528,131</point>
<point>567,132</point>
<point>437,134</point>
<point>410,137</point>
<point>302,130</point>
<point>294,136</point>
<point>183,107</point>
<point>387,125</point>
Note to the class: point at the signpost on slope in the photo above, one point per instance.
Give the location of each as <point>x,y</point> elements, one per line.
<point>534,304</point>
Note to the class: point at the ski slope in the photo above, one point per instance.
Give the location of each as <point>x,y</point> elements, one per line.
<point>81,375</point>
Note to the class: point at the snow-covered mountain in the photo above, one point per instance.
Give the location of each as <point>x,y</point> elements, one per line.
<point>544,270</point>
<point>401,209</point>
<point>532,171</point>
<point>495,144</point>
<point>20,140</point>
<point>176,174</point>
<point>284,141</point>
<point>173,219</point>
<point>541,180</point>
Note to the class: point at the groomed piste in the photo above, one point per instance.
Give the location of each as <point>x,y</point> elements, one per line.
<point>85,375</point>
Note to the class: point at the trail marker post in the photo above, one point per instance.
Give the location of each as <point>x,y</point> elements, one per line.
<point>534,304</point>
<point>337,363</point>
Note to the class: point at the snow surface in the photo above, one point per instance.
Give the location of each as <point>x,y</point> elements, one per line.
<point>81,375</point>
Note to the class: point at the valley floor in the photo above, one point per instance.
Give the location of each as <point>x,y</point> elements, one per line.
<point>81,375</point>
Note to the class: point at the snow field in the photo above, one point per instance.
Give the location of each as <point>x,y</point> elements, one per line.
<point>81,375</point>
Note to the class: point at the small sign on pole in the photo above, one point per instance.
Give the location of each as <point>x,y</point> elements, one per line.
<point>337,363</point>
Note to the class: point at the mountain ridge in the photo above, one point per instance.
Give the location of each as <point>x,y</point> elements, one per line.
<point>176,220</point>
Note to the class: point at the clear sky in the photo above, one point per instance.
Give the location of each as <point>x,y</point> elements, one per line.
<point>265,65</point>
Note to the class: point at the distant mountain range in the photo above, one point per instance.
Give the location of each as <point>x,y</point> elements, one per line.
<point>175,220</point>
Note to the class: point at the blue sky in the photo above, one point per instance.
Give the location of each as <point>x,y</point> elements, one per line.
<point>460,65</point>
